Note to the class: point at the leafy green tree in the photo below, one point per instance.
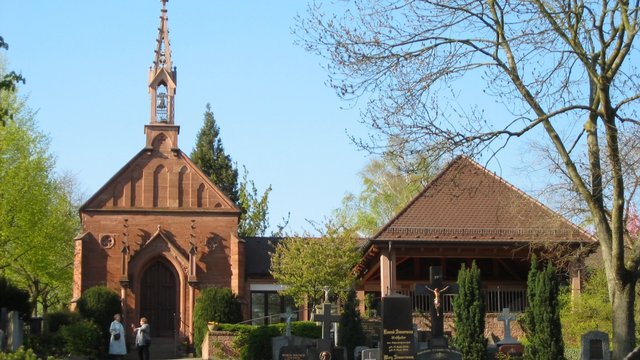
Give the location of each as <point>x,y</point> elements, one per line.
<point>37,218</point>
<point>469,310</point>
<point>590,310</point>
<point>307,264</point>
<point>254,220</point>
<point>350,332</point>
<point>210,157</point>
<point>214,304</point>
<point>559,72</point>
<point>542,316</point>
<point>388,184</point>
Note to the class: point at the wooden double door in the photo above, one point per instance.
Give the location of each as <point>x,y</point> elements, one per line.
<point>158,298</point>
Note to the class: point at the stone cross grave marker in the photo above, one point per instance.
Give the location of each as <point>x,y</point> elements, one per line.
<point>326,318</point>
<point>288,315</point>
<point>595,345</point>
<point>507,317</point>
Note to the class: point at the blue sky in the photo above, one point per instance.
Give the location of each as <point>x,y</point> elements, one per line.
<point>86,65</point>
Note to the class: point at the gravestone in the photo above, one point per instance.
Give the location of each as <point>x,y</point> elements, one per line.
<point>397,337</point>
<point>595,345</point>
<point>326,318</point>
<point>15,331</point>
<point>293,352</point>
<point>506,316</point>
<point>357,352</point>
<point>279,342</point>
<point>370,354</point>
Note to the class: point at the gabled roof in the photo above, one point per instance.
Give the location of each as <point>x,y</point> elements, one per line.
<point>466,202</point>
<point>102,198</point>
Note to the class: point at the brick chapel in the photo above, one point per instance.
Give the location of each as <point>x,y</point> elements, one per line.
<point>159,229</point>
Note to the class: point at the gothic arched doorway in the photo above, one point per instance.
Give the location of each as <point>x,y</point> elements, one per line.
<point>158,298</point>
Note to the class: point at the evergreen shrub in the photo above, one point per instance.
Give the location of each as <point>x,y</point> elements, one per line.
<point>214,304</point>
<point>56,319</point>
<point>99,304</point>
<point>542,317</point>
<point>254,342</point>
<point>82,338</point>
<point>469,310</point>
<point>350,332</point>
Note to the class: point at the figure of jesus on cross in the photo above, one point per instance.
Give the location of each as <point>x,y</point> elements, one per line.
<point>436,298</point>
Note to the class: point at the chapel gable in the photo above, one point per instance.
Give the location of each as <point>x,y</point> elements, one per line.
<point>160,177</point>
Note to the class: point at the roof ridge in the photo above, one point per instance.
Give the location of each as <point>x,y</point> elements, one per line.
<point>531,198</point>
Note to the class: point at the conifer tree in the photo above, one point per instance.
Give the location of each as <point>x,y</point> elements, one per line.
<point>350,333</point>
<point>542,317</point>
<point>469,310</point>
<point>210,157</point>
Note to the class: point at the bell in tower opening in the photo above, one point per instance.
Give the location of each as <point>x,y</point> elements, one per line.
<point>161,104</point>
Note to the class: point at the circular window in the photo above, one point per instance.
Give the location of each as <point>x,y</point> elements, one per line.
<point>107,241</point>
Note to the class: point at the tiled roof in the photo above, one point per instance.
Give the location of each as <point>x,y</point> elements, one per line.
<point>257,259</point>
<point>466,202</point>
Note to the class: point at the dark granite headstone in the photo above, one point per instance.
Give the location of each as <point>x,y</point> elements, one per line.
<point>398,341</point>
<point>337,353</point>
<point>595,345</point>
<point>293,352</point>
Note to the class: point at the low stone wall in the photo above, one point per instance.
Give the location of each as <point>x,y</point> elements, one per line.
<point>219,345</point>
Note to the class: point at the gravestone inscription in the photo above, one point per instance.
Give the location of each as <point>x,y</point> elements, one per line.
<point>293,352</point>
<point>398,341</point>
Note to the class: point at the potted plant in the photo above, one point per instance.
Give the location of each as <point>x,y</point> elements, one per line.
<point>212,325</point>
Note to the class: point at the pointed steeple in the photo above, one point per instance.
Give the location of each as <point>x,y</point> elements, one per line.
<point>162,75</point>
<point>162,88</point>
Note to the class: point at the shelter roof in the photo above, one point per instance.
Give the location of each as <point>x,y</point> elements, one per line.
<point>467,203</point>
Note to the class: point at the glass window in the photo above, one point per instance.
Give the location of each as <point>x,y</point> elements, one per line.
<point>267,306</point>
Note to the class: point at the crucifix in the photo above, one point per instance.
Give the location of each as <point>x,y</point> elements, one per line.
<point>287,316</point>
<point>437,321</point>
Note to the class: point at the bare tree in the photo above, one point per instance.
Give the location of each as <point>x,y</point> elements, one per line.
<point>560,68</point>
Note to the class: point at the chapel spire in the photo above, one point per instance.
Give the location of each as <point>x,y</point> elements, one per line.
<point>162,75</point>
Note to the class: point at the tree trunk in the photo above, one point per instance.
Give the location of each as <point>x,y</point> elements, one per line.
<point>624,327</point>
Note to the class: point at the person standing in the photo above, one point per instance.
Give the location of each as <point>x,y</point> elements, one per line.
<point>143,338</point>
<point>117,346</point>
